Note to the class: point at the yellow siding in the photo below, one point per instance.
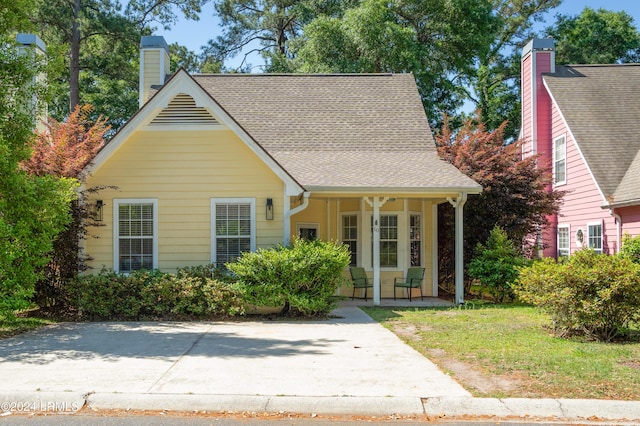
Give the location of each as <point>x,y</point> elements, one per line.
<point>151,60</point>
<point>184,171</point>
<point>316,213</point>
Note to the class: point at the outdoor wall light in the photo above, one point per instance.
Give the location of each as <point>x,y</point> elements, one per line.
<point>98,210</point>
<point>269,212</point>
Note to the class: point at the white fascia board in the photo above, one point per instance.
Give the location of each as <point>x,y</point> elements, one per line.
<point>575,141</point>
<point>436,192</point>
<point>182,82</point>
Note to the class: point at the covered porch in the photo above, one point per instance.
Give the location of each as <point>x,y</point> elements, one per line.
<point>387,234</point>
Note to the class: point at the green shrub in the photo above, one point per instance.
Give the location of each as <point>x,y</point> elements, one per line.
<point>302,277</point>
<point>496,264</point>
<point>154,294</point>
<point>630,248</point>
<point>588,294</point>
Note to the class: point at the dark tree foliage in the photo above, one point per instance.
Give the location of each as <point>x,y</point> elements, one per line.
<point>33,209</point>
<point>516,191</point>
<point>595,37</point>
<point>266,27</point>
<point>93,50</point>
<point>496,80</point>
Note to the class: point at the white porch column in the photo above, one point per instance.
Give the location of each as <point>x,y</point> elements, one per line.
<point>458,203</point>
<point>376,203</point>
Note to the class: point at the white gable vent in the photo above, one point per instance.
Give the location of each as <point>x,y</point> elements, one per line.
<point>182,110</point>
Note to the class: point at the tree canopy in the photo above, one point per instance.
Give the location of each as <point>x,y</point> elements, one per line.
<point>460,51</point>
<point>595,37</point>
<point>93,50</point>
<point>495,82</point>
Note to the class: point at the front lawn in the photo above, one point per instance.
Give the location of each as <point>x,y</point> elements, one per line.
<point>505,351</point>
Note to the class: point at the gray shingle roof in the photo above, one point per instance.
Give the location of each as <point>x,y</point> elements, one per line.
<point>339,131</point>
<point>601,104</point>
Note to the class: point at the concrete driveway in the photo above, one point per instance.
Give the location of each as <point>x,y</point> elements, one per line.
<point>349,363</point>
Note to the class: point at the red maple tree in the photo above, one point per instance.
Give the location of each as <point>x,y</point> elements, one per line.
<point>64,148</point>
<point>517,193</point>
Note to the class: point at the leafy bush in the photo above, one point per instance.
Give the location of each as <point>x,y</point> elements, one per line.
<point>589,294</point>
<point>630,248</point>
<point>496,264</point>
<point>154,294</point>
<point>302,277</point>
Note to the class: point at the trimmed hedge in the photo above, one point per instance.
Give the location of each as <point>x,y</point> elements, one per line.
<point>302,277</point>
<point>191,293</point>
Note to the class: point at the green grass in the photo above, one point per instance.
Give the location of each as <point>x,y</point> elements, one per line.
<point>11,325</point>
<point>511,343</point>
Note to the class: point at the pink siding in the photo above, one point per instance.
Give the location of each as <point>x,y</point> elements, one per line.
<point>527,104</point>
<point>630,218</point>
<point>583,201</point>
<point>536,104</point>
<point>541,124</point>
<point>543,106</point>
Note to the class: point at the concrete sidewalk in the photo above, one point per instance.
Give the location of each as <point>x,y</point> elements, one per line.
<point>347,365</point>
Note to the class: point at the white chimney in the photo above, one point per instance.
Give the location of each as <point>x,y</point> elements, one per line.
<point>154,65</point>
<point>31,44</point>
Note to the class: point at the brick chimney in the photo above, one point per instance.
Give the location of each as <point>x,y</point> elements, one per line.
<point>154,65</point>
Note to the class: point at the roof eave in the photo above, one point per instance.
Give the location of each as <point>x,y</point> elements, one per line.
<point>431,191</point>
<point>628,203</point>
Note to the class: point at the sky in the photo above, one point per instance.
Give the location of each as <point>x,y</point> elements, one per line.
<point>195,34</point>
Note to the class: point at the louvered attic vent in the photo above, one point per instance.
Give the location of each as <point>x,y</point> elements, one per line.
<point>182,110</point>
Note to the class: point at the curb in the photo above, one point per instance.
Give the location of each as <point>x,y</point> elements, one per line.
<point>561,409</point>
<point>346,405</point>
<point>438,407</point>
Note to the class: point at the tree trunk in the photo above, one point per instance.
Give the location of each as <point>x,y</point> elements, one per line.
<point>74,62</point>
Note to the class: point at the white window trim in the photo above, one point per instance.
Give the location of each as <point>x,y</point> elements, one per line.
<point>568,228</point>
<point>563,182</point>
<point>359,234</point>
<point>588,236</point>
<point>116,228</point>
<point>309,225</point>
<point>252,207</point>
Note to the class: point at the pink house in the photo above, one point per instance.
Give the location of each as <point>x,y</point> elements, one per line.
<point>584,120</point>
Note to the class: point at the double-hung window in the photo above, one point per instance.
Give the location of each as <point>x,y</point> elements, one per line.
<point>560,160</point>
<point>563,241</point>
<point>595,236</point>
<point>135,235</point>
<point>233,228</point>
<point>350,236</point>
<point>388,240</point>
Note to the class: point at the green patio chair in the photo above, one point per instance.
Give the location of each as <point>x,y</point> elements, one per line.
<point>413,280</point>
<point>360,280</point>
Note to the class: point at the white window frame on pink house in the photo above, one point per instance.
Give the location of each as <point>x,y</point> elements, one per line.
<point>557,160</point>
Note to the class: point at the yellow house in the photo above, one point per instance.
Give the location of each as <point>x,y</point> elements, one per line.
<point>214,165</point>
